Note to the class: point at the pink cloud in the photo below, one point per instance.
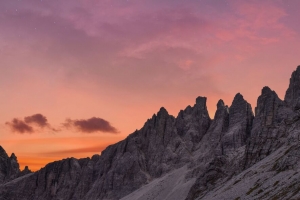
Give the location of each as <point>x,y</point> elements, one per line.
<point>19,126</point>
<point>91,125</point>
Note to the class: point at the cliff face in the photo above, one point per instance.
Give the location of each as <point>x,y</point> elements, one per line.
<point>269,126</point>
<point>9,167</point>
<point>292,96</point>
<point>163,144</point>
<point>203,154</point>
<point>240,124</point>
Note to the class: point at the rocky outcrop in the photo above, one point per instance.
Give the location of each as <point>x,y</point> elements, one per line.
<point>150,152</point>
<point>9,166</point>
<point>163,144</point>
<point>215,156</point>
<point>240,124</point>
<point>207,179</point>
<point>275,177</point>
<point>227,133</point>
<point>193,123</point>
<point>268,127</point>
<point>144,155</point>
<point>209,156</point>
<point>292,96</point>
<point>66,179</point>
<point>159,147</point>
<point>217,129</point>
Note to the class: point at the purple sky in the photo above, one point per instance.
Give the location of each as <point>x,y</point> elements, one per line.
<point>118,62</point>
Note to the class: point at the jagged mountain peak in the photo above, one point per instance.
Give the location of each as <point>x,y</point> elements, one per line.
<point>188,109</point>
<point>268,98</point>
<point>239,104</point>
<point>184,157</point>
<point>292,95</point>
<point>3,153</point>
<point>9,167</point>
<point>162,112</point>
<point>159,119</point>
<point>13,156</point>
<point>201,102</point>
<point>266,90</point>
<point>239,125</point>
<point>239,100</point>
<point>239,107</point>
<point>222,112</point>
<point>220,104</point>
<point>238,96</point>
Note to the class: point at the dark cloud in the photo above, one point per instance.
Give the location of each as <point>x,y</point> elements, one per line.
<point>27,125</point>
<point>91,125</point>
<point>19,126</point>
<point>37,119</point>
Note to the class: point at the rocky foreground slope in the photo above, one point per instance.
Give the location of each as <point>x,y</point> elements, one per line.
<point>234,156</point>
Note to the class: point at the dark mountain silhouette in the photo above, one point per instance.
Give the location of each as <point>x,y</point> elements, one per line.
<point>237,155</point>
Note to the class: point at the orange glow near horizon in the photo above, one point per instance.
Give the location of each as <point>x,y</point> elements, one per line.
<point>53,149</point>
<point>77,76</point>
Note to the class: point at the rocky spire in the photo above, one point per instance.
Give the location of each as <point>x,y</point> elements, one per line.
<point>159,120</point>
<point>14,165</point>
<point>240,124</point>
<point>9,166</point>
<point>13,157</point>
<point>193,122</point>
<point>200,112</point>
<point>240,112</point>
<point>221,117</point>
<point>3,153</point>
<point>222,110</point>
<point>218,127</point>
<point>292,96</point>
<point>212,151</point>
<point>269,114</point>
<point>201,102</point>
<point>267,107</point>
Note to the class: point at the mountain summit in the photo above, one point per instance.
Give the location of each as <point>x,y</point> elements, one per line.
<point>236,155</point>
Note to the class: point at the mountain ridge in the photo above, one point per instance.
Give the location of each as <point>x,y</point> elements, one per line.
<point>212,152</point>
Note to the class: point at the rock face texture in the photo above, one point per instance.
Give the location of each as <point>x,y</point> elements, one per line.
<point>9,167</point>
<point>193,123</point>
<point>230,129</point>
<point>159,147</point>
<point>234,156</point>
<point>240,124</point>
<point>219,126</point>
<point>269,126</point>
<point>292,96</point>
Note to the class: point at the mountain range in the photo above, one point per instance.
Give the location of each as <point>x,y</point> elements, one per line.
<point>236,155</point>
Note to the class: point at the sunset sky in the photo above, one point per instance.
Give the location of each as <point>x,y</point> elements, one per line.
<point>78,75</point>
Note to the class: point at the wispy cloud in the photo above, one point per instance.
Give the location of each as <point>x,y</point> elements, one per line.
<point>19,126</point>
<point>30,124</point>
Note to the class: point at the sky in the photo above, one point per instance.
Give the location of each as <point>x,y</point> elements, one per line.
<point>79,75</point>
